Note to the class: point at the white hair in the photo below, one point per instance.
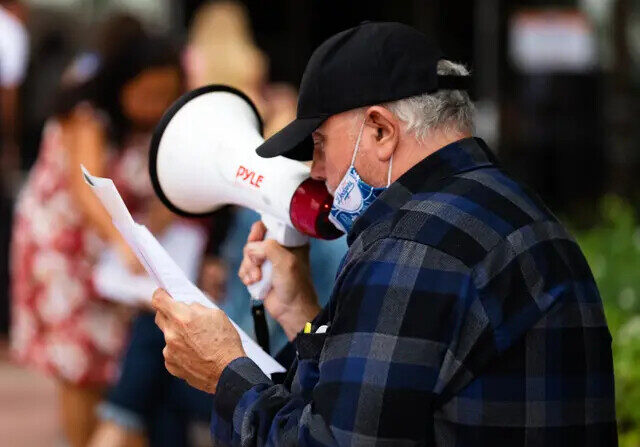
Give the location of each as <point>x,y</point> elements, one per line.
<point>448,111</point>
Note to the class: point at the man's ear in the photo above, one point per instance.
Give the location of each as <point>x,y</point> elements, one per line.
<point>386,131</point>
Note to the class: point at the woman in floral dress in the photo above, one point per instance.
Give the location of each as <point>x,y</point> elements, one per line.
<point>60,325</point>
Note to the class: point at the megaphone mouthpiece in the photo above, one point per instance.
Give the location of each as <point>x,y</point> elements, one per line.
<point>310,208</point>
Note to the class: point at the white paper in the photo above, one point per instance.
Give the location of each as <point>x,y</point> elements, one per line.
<point>161,268</point>
<point>113,281</point>
<point>183,242</point>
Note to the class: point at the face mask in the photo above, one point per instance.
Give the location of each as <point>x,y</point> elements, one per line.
<point>353,195</point>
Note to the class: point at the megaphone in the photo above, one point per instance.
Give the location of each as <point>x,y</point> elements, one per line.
<point>203,157</point>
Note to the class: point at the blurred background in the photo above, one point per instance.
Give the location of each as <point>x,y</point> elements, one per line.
<point>557,88</point>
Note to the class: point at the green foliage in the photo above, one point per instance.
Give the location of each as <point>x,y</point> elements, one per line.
<point>613,252</point>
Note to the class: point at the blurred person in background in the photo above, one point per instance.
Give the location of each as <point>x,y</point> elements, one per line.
<point>108,103</point>
<point>221,50</point>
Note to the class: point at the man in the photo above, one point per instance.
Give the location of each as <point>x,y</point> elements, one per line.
<point>463,314</point>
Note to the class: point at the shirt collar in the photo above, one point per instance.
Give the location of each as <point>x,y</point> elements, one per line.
<point>460,156</point>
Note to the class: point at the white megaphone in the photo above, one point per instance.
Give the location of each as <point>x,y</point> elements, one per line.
<point>203,157</point>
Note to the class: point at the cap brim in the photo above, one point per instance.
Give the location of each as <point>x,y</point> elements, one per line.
<point>293,141</point>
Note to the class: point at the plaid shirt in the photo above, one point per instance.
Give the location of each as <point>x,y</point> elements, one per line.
<point>463,314</point>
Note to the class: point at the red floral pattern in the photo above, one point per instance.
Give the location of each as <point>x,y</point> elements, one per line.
<point>60,325</point>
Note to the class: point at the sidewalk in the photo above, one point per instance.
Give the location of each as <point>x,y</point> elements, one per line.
<point>27,406</point>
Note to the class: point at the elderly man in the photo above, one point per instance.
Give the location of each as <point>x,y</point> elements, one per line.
<point>463,314</point>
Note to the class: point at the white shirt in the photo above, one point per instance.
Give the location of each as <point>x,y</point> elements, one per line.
<point>14,50</point>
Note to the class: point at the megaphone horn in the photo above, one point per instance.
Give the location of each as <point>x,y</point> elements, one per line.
<point>203,157</point>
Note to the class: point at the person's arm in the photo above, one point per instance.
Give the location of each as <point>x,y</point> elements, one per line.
<point>85,140</point>
<point>158,217</point>
<point>14,54</point>
<point>9,119</point>
<point>213,269</point>
<point>379,373</point>
<point>220,224</point>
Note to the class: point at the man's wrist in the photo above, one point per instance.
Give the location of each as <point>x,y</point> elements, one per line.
<point>221,364</point>
<point>296,316</point>
<point>237,378</point>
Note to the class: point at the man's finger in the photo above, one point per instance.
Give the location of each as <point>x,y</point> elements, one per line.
<point>172,309</point>
<point>257,233</point>
<point>254,257</point>
<point>161,321</point>
<point>174,369</point>
<point>273,251</point>
<point>162,301</point>
<point>254,252</point>
<point>249,272</point>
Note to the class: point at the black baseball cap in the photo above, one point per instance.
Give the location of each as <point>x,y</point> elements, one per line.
<point>372,63</point>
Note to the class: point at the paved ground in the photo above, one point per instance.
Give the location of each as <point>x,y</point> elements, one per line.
<point>27,407</point>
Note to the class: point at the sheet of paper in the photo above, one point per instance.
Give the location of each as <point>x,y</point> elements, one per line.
<point>184,242</point>
<point>177,284</point>
<point>162,268</point>
<point>109,196</point>
<point>115,282</point>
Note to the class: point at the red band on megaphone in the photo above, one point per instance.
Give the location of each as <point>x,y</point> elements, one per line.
<point>309,210</point>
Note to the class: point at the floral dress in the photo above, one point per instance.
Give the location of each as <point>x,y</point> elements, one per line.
<point>60,325</point>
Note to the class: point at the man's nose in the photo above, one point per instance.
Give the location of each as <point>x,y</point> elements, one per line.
<point>317,169</point>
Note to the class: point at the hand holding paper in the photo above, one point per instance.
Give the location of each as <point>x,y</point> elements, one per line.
<point>161,267</point>
<point>200,342</point>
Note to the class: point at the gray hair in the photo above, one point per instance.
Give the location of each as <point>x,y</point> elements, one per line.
<point>448,111</point>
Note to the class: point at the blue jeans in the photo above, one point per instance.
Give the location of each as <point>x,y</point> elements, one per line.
<point>147,397</point>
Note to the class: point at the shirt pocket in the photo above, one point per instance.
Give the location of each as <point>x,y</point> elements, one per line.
<point>308,348</point>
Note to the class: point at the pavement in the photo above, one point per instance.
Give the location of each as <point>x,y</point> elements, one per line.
<point>28,406</point>
<point>28,409</point>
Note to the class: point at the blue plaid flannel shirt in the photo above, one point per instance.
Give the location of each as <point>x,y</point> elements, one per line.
<point>464,314</point>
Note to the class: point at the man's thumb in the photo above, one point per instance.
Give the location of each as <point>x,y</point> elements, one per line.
<point>258,232</point>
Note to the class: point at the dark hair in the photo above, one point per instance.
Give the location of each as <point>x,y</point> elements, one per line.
<point>120,56</point>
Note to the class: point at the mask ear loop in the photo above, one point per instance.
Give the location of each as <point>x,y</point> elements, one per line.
<point>353,158</point>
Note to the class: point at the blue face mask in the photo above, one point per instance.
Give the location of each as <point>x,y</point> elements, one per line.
<point>353,195</point>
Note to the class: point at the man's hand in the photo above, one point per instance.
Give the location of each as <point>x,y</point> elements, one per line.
<point>200,342</point>
<point>292,300</point>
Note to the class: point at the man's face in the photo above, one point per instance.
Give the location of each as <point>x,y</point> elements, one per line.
<point>333,145</point>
